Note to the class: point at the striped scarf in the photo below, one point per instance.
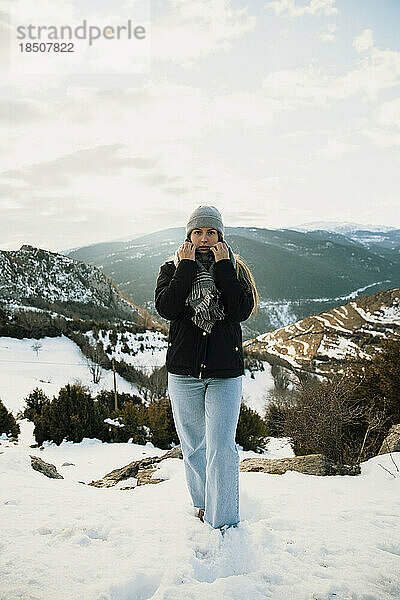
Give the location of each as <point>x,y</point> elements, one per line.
<point>204,297</point>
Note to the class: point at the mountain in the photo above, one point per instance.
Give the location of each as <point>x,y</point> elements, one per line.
<point>325,341</point>
<point>341,227</point>
<point>38,278</point>
<point>297,273</point>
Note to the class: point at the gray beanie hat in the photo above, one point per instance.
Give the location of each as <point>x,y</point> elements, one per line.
<point>205,216</point>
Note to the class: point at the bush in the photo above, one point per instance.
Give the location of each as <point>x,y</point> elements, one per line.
<point>34,404</point>
<point>130,416</point>
<point>251,432</point>
<point>275,418</point>
<point>159,418</point>
<point>72,415</point>
<point>326,418</point>
<point>107,398</point>
<point>378,381</point>
<point>75,415</point>
<point>8,424</point>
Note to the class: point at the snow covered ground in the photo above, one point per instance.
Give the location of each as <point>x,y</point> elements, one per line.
<point>60,361</point>
<point>301,537</point>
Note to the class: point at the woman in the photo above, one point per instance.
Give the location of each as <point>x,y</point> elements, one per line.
<point>206,291</point>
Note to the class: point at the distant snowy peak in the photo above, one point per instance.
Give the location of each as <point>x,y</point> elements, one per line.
<point>35,276</point>
<point>325,340</point>
<point>343,227</point>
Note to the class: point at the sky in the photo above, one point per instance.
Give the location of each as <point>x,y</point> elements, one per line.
<point>278,112</point>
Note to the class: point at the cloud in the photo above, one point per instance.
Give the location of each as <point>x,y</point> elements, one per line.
<point>376,71</point>
<point>364,41</point>
<point>327,33</point>
<point>388,114</point>
<point>335,148</point>
<point>103,162</point>
<point>291,9</point>
<point>188,31</point>
<point>22,110</point>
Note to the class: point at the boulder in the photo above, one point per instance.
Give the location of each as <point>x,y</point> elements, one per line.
<point>391,443</point>
<point>141,469</point>
<point>310,464</point>
<point>46,468</point>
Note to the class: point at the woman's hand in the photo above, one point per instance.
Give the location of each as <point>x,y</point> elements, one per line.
<point>220,251</point>
<point>187,250</point>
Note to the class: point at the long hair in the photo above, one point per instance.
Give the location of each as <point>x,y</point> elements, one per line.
<point>245,275</point>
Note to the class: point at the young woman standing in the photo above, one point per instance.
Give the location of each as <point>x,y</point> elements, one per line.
<point>206,291</point>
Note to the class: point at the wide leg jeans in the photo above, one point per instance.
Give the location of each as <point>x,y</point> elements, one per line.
<point>206,413</point>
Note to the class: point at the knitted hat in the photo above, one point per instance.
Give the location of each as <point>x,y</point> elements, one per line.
<point>205,216</point>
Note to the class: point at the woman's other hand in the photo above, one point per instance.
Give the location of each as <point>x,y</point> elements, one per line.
<point>220,251</point>
<point>187,250</point>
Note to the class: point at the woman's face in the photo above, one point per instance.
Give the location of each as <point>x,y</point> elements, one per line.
<point>203,238</point>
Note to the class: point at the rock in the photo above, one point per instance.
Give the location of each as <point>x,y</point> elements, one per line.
<point>310,464</point>
<point>391,443</point>
<point>141,470</point>
<point>67,464</point>
<point>46,468</point>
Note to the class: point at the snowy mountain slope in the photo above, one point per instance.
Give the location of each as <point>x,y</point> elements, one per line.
<point>300,536</point>
<point>36,277</point>
<point>58,362</point>
<point>327,339</point>
<point>294,269</point>
<point>145,351</point>
<point>341,227</point>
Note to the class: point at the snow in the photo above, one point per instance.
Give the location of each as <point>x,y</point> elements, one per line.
<point>300,537</point>
<point>341,348</point>
<point>154,344</point>
<point>386,314</point>
<point>59,362</point>
<point>257,390</point>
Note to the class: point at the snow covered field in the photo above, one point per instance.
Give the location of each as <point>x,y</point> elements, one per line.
<point>57,363</point>
<point>301,537</point>
<point>60,361</point>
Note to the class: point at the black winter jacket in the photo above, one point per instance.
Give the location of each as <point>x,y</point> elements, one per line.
<point>192,351</point>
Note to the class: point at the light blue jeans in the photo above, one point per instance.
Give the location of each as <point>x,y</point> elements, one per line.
<point>206,413</point>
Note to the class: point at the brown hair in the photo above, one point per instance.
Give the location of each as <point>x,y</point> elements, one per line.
<point>245,275</point>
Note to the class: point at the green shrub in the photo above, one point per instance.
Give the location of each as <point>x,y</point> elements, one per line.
<point>8,424</point>
<point>251,432</point>
<point>158,417</point>
<point>130,416</point>
<point>34,404</point>
<point>72,415</point>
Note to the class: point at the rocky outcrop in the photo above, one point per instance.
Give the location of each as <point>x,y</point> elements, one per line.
<point>391,443</point>
<point>46,468</point>
<point>310,464</point>
<point>33,276</point>
<point>142,470</point>
<point>325,342</point>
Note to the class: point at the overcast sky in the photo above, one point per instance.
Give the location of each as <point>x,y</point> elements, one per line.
<point>278,112</point>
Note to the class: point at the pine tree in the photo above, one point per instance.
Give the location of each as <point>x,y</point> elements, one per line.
<point>8,424</point>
